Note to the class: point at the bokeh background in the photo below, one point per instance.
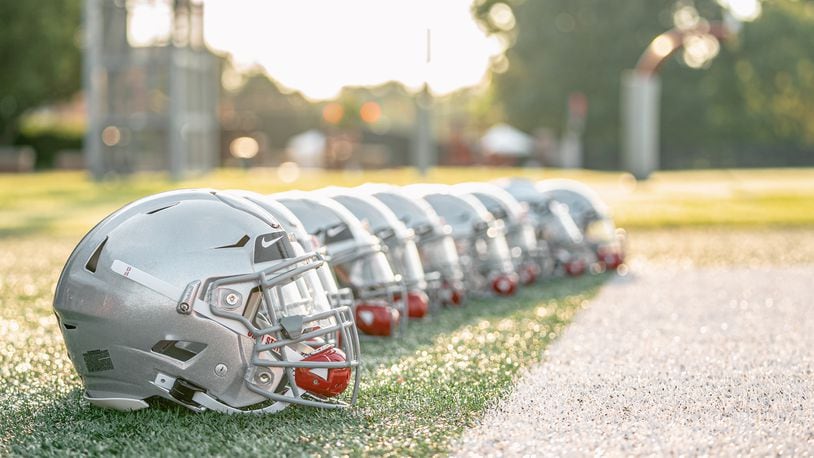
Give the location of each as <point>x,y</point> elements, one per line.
<point>121,86</point>
<point>106,101</point>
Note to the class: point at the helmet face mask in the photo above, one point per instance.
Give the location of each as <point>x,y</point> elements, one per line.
<point>556,231</point>
<point>366,270</point>
<point>403,256</point>
<point>282,316</point>
<point>398,244</point>
<point>302,242</point>
<point>436,248</point>
<point>591,216</point>
<point>491,267</point>
<point>438,254</point>
<point>479,239</point>
<point>530,259</point>
<point>147,310</point>
<point>358,260</point>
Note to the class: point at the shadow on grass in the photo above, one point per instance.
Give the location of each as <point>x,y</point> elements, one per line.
<point>434,392</point>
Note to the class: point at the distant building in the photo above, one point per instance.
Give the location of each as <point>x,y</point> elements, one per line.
<point>151,87</point>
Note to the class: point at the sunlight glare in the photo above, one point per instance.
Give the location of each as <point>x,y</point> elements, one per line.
<point>149,23</point>
<point>743,10</point>
<point>320,46</point>
<point>663,45</point>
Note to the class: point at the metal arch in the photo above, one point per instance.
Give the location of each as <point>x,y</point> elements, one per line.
<point>651,61</point>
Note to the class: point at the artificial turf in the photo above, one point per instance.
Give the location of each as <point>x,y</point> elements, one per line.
<point>417,395</point>
<point>419,392</point>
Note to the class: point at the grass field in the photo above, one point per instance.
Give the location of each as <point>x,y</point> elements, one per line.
<point>66,203</point>
<point>419,393</point>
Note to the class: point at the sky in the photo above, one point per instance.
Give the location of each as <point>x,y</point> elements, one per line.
<point>319,46</point>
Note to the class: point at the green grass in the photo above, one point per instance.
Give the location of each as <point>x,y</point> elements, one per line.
<point>60,203</point>
<point>419,393</point>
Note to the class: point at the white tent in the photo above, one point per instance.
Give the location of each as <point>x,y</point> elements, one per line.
<point>505,140</point>
<point>307,149</point>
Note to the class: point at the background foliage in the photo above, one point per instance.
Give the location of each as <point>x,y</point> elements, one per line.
<point>748,108</point>
<point>39,48</point>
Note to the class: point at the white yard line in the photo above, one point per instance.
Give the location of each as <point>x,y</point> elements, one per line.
<point>709,361</point>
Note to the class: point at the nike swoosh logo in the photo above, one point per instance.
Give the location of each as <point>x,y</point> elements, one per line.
<point>267,243</point>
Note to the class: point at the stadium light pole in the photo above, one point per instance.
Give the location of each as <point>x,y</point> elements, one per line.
<point>423,141</point>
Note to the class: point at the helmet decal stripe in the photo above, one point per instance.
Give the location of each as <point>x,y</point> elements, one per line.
<point>143,278</point>
<point>172,292</point>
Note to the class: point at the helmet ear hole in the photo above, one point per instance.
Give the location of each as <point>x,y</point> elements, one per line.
<point>69,327</point>
<point>181,350</point>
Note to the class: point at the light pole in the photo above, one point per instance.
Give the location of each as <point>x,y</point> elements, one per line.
<point>423,141</point>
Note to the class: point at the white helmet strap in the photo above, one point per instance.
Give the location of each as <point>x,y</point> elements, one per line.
<point>173,292</point>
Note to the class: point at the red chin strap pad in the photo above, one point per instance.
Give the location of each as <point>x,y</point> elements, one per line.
<point>457,297</point>
<point>376,319</point>
<point>504,285</point>
<point>418,304</point>
<point>612,260</point>
<point>611,257</point>
<point>575,268</point>
<point>337,379</point>
<point>528,274</point>
<point>453,296</point>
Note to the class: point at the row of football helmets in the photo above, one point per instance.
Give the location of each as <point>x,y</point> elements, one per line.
<point>238,302</point>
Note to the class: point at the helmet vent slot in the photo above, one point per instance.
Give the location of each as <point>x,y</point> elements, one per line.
<point>94,258</point>
<point>239,244</point>
<point>151,212</point>
<point>181,350</point>
<point>65,325</point>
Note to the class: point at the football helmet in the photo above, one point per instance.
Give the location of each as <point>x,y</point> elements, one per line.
<point>358,260</point>
<point>531,260</point>
<point>592,216</point>
<point>199,298</point>
<point>554,225</point>
<point>479,238</point>
<point>400,242</point>
<point>339,297</point>
<point>436,246</point>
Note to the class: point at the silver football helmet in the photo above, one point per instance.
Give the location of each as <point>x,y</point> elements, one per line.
<point>436,247</point>
<point>357,258</point>
<point>592,216</point>
<point>554,225</point>
<point>339,297</point>
<point>199,298</point>
<point>479,238</point>
<point>531,260</point>
<point>400,242</point>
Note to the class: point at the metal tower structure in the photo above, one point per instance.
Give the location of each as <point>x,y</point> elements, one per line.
<point>151,88</point>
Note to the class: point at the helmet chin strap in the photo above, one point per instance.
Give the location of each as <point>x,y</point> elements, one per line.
<point>165,382</point>
<point>213,404</point>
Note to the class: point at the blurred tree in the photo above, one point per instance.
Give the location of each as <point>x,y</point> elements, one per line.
<point>751,106</point>
<point>39,49</point>
<point>749,100</point>
<point>253,104</point>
